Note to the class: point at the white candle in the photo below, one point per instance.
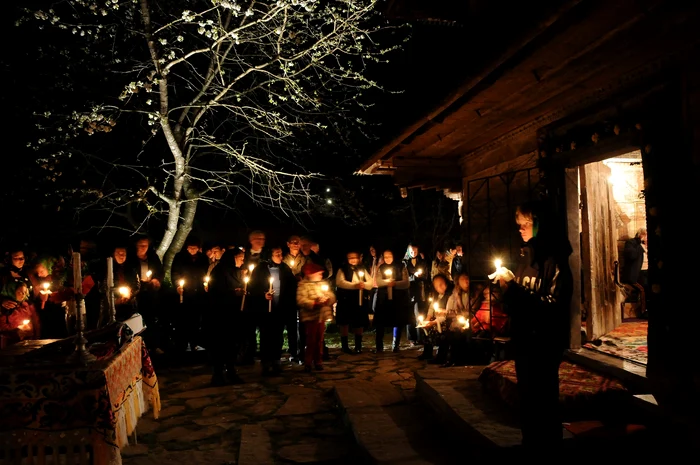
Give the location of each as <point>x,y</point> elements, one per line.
<point>269,308</point>
<point>389,290</point>
<point>149,273</point>
<point>251,268</point>
<point>436,308</point>
<point>245,290</point>
<point>206,283</point>
<point>420,323</point>
<point>361,275</point>
<point>182,285</point>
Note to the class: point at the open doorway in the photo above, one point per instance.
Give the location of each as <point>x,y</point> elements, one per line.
<point>613,256</point>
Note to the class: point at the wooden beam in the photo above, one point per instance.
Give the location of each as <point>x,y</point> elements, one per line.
<point>433,162</point>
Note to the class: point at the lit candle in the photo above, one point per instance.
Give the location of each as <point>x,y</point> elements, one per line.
<point>269,308</point>
<point>124,291</point>
<point>498,263</point>
<point>436,308</point>
<point>389,290</point>
<point>149,273</point>
<point>324,287</point>
<point>361,275</point>
<point>206,283</point>
<point>291,264</point>
<point>420,324</point>
<point>251,268</point>
<point>45,289</point>
<point>418,272</point>
<point>463,321</point>
<point>182,286</point>
<point>245,290</point>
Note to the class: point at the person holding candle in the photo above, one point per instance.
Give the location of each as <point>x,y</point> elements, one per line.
<point>315,300</point>
<point>151,274</point>
<point>15,270</point>
<point>48,280</point>
<point>222,319</point>
<point>125,276</point>
<point>393,305</point>
<point>457,331</point>
<point>272,296</point>
<point>354,283</point>
<point>437,300</point>
<point>20,322</point>
<point>190,266</point>
<point>418,277</point>
<point>537,296</point>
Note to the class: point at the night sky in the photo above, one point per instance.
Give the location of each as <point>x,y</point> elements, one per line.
<point>365,209</point>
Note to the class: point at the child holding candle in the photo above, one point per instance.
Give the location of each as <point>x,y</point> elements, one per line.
<point>354,283</point>
<point>315,301</point>
<point>442,289</point>
<point>21,321</point>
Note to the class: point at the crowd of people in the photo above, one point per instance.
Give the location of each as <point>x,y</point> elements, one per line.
<point>219,298</point>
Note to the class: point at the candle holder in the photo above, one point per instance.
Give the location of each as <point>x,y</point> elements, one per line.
<point>80,355</point>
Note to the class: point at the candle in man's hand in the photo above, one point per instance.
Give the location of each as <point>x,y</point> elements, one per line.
<point>269,306</point>
<point>206,283</point>
<point>245,290</point>
<point>149,273</point>
<point>182,286</point>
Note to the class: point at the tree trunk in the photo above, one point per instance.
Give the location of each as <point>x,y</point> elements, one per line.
<point>189,209</point>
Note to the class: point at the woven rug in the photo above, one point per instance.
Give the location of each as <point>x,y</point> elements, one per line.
<point>580,390</point>
<point>628,341</point>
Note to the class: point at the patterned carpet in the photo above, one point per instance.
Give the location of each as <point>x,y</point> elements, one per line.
<point>628,341</point>
<point>581,391</point>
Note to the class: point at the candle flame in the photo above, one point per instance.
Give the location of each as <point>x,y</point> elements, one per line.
<point>25,322</point>
<point>272,279</point>
<point>420,319</point>
<point>251,268</point>
<point>419,272</point>
<point>461,319</point>
<point>246,279</point>
<point>46,286</point>
<point>149,273</point>
<point>498,263</point>
<point>291,263</point>
<point>124,291</point>
<point>324,287</point>
<point>182,283</point>
<point>436,306</point>
<point>361,274</point>
<point>388,272</point>
<point>206,279</point>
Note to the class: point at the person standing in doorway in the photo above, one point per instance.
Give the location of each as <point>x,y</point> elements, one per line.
<point>537,297</point>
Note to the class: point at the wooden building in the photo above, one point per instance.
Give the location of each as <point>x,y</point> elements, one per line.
<point>596,106</point>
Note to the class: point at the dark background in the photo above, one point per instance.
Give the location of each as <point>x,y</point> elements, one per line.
<point>365,209</point>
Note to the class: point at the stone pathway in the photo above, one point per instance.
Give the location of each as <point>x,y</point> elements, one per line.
<point>294,418</point>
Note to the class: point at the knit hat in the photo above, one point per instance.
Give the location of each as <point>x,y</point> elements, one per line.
<point>312,268</point>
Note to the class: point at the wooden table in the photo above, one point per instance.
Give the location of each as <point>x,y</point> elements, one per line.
<point>83,412</point>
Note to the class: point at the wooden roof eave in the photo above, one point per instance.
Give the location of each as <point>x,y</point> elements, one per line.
<point>384,153</point>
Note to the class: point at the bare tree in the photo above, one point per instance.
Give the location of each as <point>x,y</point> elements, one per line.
<point>218,94</point>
